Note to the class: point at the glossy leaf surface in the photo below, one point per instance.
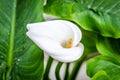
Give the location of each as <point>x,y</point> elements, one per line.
<point>101,16</point>
<point>108,46</point>
<point>110,66</point>
<point>20,59</point>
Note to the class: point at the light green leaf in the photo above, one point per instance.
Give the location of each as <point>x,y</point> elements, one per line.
<point>20,59</point>
<point>100,75</point>
<point>110,65</point>
<point>100,16</point>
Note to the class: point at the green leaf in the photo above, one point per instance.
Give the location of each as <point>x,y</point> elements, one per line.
<point>110,66</point>
<point>20,58</point>
<point>100,75</point>
<point>100,16</point>
<point>89,41</point>
<point>108,46</point>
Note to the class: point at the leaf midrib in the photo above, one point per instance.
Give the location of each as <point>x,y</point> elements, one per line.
<point>12,35</point>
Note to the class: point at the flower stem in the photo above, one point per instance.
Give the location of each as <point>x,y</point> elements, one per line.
<point>76,68</point>
<point>67,72</point>
<point>47,70</point>
<point>57,70</point>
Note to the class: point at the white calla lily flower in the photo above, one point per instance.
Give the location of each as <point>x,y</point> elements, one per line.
<point>60,39</point>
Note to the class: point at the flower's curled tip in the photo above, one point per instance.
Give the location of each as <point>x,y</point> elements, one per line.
<point>52,35</point>
<point>68,55</point>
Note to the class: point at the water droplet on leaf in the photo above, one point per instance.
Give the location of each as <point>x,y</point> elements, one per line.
<point>18,60</point>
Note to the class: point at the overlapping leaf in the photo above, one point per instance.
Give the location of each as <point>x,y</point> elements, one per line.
<point>110,66</point>
<point>100,16</point>
<point>108,46</point>
<point>109,62</point>
<point>100,75</point>
<point>20,59</point>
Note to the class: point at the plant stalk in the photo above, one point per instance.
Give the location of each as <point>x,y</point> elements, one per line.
<point>47,70</point>
<point>57,70</point>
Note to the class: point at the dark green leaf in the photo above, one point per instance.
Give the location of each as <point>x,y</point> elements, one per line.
<point>108,46</point>
<point>89,41</point>
<point>20,59</point>
<point>100,16</point>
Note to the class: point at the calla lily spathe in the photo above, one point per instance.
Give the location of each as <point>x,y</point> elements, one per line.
<point>52,36</point>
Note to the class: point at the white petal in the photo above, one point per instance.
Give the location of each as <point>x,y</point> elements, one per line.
<point>54,49</point>
<point>59,30</point>
<point>67,55</point>
<point>45,43</point>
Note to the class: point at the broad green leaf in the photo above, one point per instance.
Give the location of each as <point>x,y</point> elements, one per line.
<point>101,16</point>
<point>20,58</point>
<point>100,75</point>
<point>110,65</point>
<point>108,46</point>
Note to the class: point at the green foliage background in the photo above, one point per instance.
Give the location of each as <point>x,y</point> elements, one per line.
<point>21,59</point>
